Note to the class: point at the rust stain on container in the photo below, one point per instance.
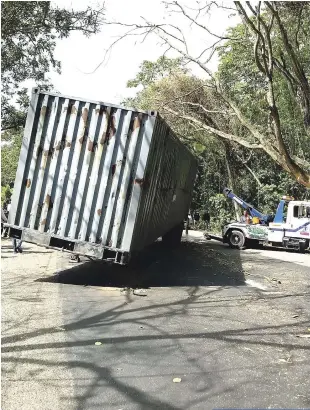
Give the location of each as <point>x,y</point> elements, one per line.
<point>47,199</point>
<point>99,211</point>
<point>73,109</point>
<point>113,169</point>
<point>84,118</point>
<point>43,110</point>
<point>90,145</point>
<point>100,110</point>
<point>103,138</point>
<point>137,122</point>
<point>139,181</point>
<point>28,183</point>
<point>58,146</point>
<point>43,222</point>
<point>112,128</point>
<point>68,144</point>
<point>85,115</point>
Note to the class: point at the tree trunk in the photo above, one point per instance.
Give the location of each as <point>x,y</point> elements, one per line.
<point>231,180</point>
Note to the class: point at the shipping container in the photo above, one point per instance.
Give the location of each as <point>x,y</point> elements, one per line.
<point>97,179</point>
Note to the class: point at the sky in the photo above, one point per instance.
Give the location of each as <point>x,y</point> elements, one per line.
<point>80,55</point>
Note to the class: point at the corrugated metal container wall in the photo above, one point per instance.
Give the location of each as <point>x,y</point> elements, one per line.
<point>98,176</point>
<point>169,178</point>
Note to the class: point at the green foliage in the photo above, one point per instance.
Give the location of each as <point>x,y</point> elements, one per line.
<point>9,156</point>
<point>13,117</point>
<point>29,30</point>
<point>221,212</point>
<point>152,71</point>
<point>6,193</point>
<point>212,174</point>
<point>247,86</point>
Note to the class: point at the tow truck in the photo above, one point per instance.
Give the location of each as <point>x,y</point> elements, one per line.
<point>288,228</point>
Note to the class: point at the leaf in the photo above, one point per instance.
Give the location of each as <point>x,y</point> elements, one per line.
<point>287,360</point>
<point>304,336</point>
<point>177,380</point>
<point>199,148</point>
<point>98,343</point>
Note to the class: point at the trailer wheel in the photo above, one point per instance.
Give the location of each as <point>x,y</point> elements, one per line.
<point>173,237</point>
<point>236,240</point>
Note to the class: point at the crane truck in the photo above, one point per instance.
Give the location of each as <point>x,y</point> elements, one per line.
<point>288,228</point>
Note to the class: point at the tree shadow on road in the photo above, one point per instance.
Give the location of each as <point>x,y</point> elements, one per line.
<point>193,263</point>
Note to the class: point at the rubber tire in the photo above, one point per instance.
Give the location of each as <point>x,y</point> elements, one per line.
<point>241,237</point>
<point>302,247</point>
<point>173,237</point>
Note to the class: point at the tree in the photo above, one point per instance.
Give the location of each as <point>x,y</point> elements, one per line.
<point>279,70</point>
<point>215,166</point>
<point>29,30</point>
<point>6,193</point>
<point>12,141</point>
<point>250,173</point>
<point>150,71</point>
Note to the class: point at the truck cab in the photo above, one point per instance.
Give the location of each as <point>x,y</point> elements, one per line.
<point>291,225</point>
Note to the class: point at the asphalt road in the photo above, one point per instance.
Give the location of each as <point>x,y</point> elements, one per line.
<point>229,324</point>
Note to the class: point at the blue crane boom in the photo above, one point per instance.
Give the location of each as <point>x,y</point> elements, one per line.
<point>252,211</point>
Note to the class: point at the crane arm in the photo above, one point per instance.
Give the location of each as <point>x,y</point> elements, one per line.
<point>252,211</point>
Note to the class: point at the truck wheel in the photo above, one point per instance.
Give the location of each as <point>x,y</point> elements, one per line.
<point>173,237</point>
<point>236,240</point>
<point>302,247</point>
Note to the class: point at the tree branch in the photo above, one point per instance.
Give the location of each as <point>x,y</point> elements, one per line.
<point>203,108</point>
<point>276,150</point>
<point>212,130</point>
<point>298,26</point>
<point>256,31</point>
<point>12,127</point>
<point>194,21</point>
<point>297,67</point>
<point>249,169</point>
<point>301,162</point>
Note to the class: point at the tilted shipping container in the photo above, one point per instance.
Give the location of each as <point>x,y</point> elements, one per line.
<point>97,179</point>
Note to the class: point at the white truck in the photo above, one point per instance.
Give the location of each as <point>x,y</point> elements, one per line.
<point>291,225</point>
<point>289,228</point>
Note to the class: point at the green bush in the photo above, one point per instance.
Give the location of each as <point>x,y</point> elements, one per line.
<point>6,193</point>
